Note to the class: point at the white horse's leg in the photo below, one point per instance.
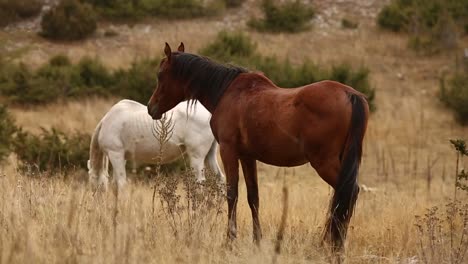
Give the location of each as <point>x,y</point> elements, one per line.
<point>104,174</point>
<point>134,163</point>
<point>118,167</point>
<point>196,162</point>
<point>134,167</point>
<point>92,175</point>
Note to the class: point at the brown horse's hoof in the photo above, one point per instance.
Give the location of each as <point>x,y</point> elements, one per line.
<point>229,243</point>
<point>257,237</point>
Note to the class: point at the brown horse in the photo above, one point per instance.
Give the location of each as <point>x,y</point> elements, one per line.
<point>252,119</point>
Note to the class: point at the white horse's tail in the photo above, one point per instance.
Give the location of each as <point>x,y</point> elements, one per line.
<point>98,161</point>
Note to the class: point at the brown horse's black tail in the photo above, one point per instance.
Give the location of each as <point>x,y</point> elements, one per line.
<point>347,188</point>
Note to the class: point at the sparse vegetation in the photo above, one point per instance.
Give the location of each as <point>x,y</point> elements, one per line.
<point>61,79</point>
<point>454,94</point>
<point>57,79</point>
<point>52,151</point>
<point>139,9</point>
<point>349,24</point>
<point>461,176</point>
<point>138,82</point>
<point>443,235</point>
<point>402,15</point>
<point>7,130</point>
<point>230,46</point>
<point>433,24</point>
<point>14,10</point>
<point>234,3</point>
<point>392,17</point>
<point>290,16</point>
<point>199,205</point>
<point>180,9</point>
<point>69,20</point>
<point>239,48</point>
<point>20,85</point>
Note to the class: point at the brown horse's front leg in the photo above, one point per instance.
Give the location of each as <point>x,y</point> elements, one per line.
<point>231,167</point>
<point>249,167</point>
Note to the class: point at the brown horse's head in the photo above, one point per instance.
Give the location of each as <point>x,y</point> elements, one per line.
<point>184,76</point>
<point>169,91</point>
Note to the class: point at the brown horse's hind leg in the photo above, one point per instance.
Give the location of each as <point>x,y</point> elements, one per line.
<point>249,167</point>
<point>334,232</point>
<point>328,169</point>
<point>231,167</point>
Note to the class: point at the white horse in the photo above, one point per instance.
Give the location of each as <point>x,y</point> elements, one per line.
<point>126,132</point>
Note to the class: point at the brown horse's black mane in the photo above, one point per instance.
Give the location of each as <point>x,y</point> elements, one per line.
<point>205,78</point>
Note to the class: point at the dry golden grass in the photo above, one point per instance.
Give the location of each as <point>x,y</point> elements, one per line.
<point>56,221</point>
<point>67,116</point>
<point>407,159</point>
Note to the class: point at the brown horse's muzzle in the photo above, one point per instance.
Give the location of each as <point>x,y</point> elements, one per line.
<point>153,111</point>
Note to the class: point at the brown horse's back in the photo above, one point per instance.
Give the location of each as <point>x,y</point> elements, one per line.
<point>285,127</point>
<point>327,110</point>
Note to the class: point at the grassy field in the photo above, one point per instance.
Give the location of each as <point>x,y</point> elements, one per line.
<point>56,220</point>
<point>408,163</point>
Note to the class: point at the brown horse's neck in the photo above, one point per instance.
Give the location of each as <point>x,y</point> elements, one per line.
<point>205,80</point>
<point>206,102</point>
<point>244,82</point>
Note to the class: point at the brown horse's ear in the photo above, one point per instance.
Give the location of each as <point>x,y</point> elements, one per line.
<point>167,51</point>
<point>181,47</point>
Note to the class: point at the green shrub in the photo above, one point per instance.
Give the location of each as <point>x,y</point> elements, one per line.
<point>234,3</point>
<point>13,10</point>
<point>69,20</point>
<point>7,130</point>
<point>349,24</point>
<point>292,16</point>
<point>392,17</point>
<point>138,82</point>
<point>90,77</point>
<point>110,33</point>
<point>399,14</point>
<point>60,61</point>
<point>239,48</point>
<point>185,8</point>
<point>52,151</point>
<point>61,79</point>
<point>138,9</point>
<point>228,45</point>
<point>454,94</point>
<point>118,9</point>
<point>56,79</point>
<point>21,86</point>
<point>432,23</point>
